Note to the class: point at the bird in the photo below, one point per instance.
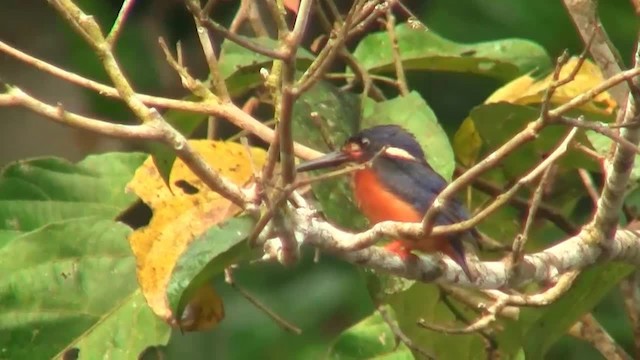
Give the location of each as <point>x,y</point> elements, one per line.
<point>399,185</point>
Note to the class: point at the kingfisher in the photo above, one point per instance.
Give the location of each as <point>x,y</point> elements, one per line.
<point>398,184</point>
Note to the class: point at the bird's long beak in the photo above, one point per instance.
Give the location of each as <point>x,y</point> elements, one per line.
<point>331,159</point>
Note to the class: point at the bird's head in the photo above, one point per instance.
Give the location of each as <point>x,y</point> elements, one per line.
<point>388,141</point>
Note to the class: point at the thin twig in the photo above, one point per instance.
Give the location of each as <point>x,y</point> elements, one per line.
<point>279,320</point>
<point>17,97</point>
<point>118,24</point>
<point>630,288</point>
<point>369,13</point>
<point>401,83</point>
<point>207,48</point>
<point>587,181</point>
<point>591,331</point>
<point>319,66</point>
<point>490,342</point>
<point>481,323</point>
<point>290,42</point>
<point>600,128</point>
<point>90,30</point>
<point>541,299</point>
<point>468,298</point>
<point>548,212</point>
<point>521,239</point>
<point>245,42</point>
<point>395,329</point>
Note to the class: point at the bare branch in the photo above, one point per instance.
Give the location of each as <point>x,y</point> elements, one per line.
<point>591,331</point>
<point>241,40</point>
<point>395,49</point>
<point>395,329</point>
<point>561,286</point>
<point>571,254</point>
<point>16,97</point>
<point>481,323</point>
<point>521,239</point>
<point>279,320</point>
<point>630,288</point>
<point>584,14</point>
<point>118,24</point>
<point>209,54</point>
<point>550,213</point>
<point>619,169</point>
<point>90,30</point>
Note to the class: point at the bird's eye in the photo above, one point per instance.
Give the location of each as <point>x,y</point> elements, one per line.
<point>364,142</point>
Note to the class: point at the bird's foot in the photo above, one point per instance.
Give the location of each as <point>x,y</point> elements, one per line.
<point>399,248</point>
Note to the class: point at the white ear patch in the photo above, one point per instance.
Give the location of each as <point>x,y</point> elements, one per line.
<point>398,153</point>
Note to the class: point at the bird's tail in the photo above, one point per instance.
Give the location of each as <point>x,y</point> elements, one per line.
<point>457,254</point>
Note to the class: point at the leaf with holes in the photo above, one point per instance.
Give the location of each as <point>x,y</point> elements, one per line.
<point>422,49</point>
<point>71,285</point>
<point>181,214</point>
<point>36,192</point>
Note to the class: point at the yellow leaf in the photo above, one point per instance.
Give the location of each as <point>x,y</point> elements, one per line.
<point>526,90</point>
<point>467,143</point>
<point>204,311</point>
<point>179,216</point>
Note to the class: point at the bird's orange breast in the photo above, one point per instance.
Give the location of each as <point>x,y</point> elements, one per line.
<point>378,204</point>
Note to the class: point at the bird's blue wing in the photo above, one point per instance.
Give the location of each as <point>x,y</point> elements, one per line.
<point>418,184</point>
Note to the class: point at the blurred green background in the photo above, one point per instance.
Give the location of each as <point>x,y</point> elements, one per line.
<point>321,298</point>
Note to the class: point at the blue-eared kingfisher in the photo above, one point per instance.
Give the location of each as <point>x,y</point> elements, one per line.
<point>399,185</point>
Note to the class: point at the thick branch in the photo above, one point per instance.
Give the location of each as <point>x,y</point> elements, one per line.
<point>584,14</point>
<point>619,169</point>
<point>572,254</point>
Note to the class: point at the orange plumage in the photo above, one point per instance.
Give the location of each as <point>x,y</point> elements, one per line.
<point>378,204</point>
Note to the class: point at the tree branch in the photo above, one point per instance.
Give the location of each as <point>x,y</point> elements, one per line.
<point>572,254</point>
<point>619,168</point>
<point>584,14</point>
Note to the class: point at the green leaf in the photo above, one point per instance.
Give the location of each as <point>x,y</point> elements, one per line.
<point>240,67</point>
<point>337,111</point>
<point>370,338</point>
<point>71,285</point>
<point>338,114</point>
<point>496,123</point>
<point>419,120</point>
<point>425,50</point>
<point>206,257</point>
<point>473,20</point>
<point>549,323</point>
<point>422,301</point>
<point>36,192</point>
